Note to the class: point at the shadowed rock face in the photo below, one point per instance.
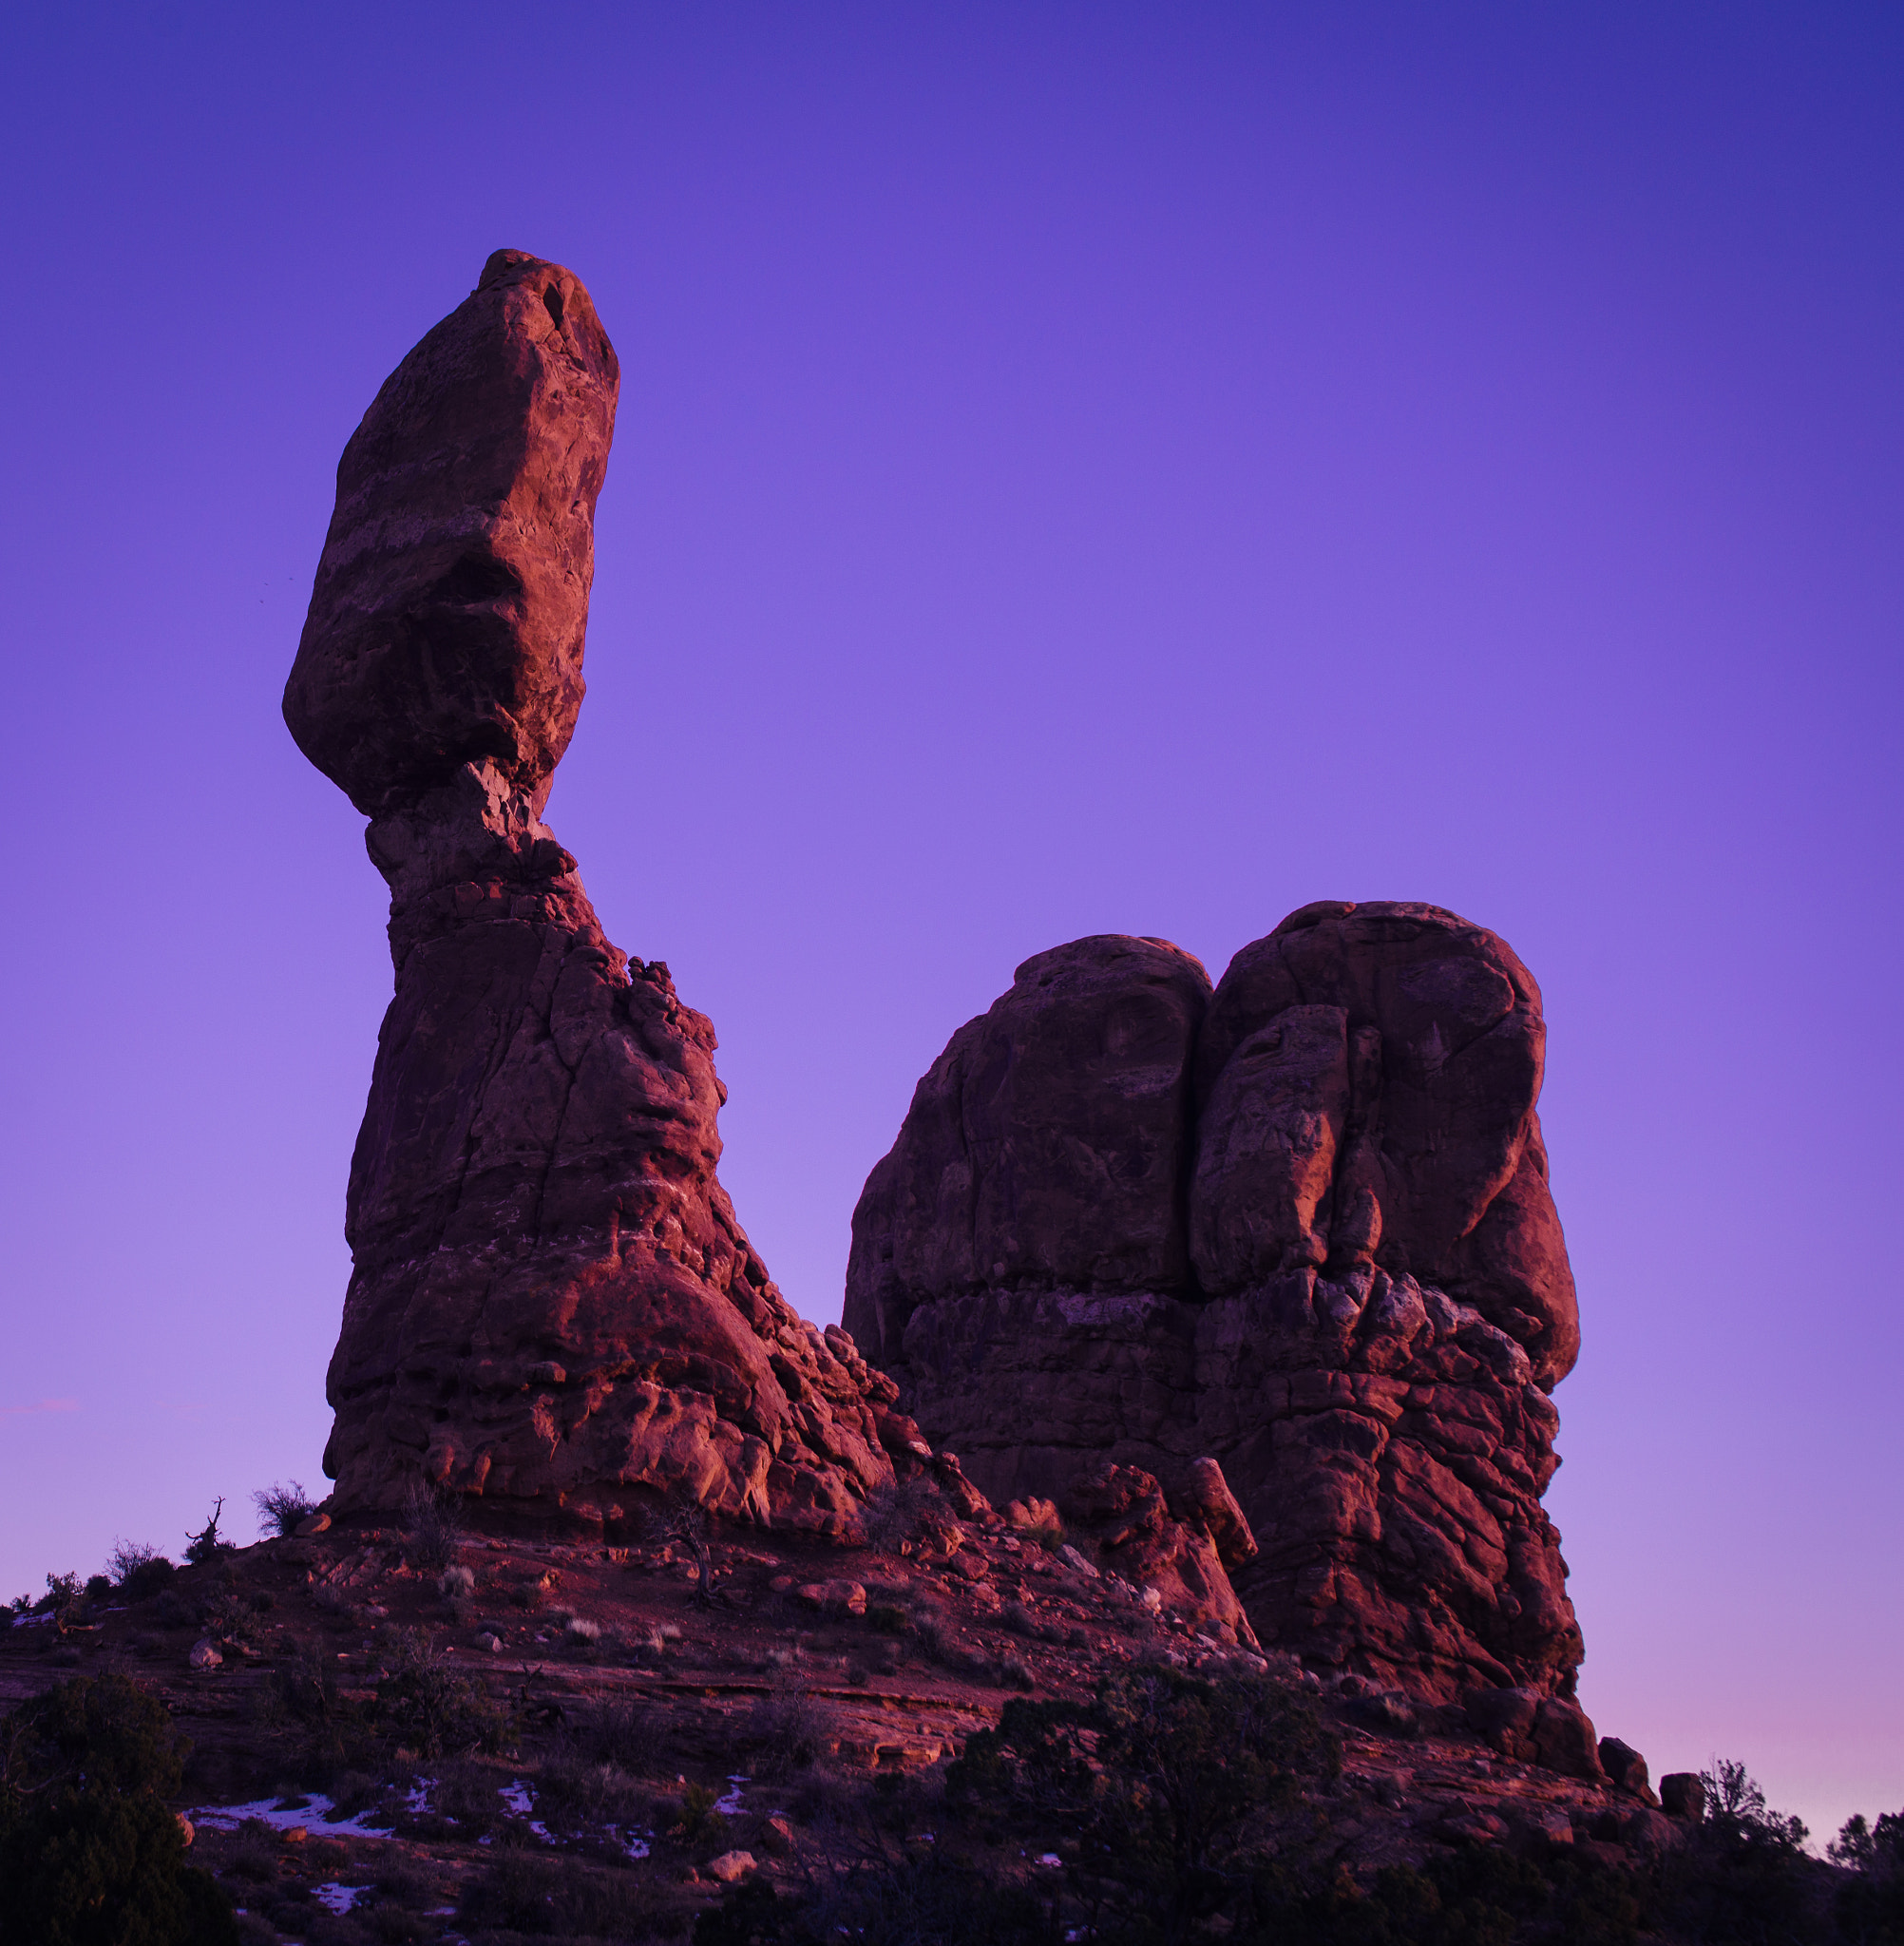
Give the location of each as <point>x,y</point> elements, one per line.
<point>552,1305</point>
<point>1323,1253</point>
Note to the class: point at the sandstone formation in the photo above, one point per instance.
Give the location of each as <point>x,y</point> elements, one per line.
<point>1300,1227</point>
<point>552,1305</point>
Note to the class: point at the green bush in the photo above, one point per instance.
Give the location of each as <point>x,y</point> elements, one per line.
<point>426,1706</point>
<point>1160,1779</point>
<point>89,1853</point>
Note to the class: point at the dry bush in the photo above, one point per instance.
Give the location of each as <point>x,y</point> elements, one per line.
<point>895,1514</point>
<point>280,1507</point>
<point>785,1734</point>
<point>432,1533</point>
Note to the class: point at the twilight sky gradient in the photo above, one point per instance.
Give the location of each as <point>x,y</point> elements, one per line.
<point>1080,468</point>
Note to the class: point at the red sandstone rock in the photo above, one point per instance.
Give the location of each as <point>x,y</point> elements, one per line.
<point>1384,1061</point>
<point>552,1306</point>
<point>1132,1531</point>
<point>1341,1275</point>
<point>1047,1144</point>
<point>446,620</point>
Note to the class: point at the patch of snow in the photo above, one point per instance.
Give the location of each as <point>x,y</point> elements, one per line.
<point>338,1898</point>
<point>317,1809</point>
<point>729,1806</point>
<point>516,1795</point>
<point>1049,1859</point>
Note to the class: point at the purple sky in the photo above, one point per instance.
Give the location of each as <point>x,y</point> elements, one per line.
<point>1080,468</point>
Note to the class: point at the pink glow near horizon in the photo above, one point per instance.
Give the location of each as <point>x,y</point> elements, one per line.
<point>1079,470</point>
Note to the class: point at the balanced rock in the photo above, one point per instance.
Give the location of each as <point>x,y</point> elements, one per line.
<point>1298,1228</point>
<point>552,1306</point>
<point>451,598</point>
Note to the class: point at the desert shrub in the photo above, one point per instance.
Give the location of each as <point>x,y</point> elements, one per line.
<point>784,1734</point>
<point>393,1925</point>
<point>432,1533</point>
<point>521,1893</point>
<point>1480,1898</point>
<point>172,1611</point>
<point>698,1823</point>
<point>937,1632</point>
<point>1869,1907</point>
<point>280,1508</point>
<point>573,1791</point>
<point>1742,1877</point>
<point>426,1706</point>
<point>89,1853</point>
<point>886,1899</point>
<point>255,1856</point>
<point>64,1600</point>
<point>335,1731</point>
<point>679,1519</point>
<point>230,1615</point>
<point>1736,1806</point>
<point>402,1883</point>
<point>207,1544</point>
<point>895,1513</point>
<point>584,1632</point>
<point>1049,1535</point>
<point>138,1571</point>
<point>1160,1777</point>
<point>457,1584</point>
<point>614,1732</point>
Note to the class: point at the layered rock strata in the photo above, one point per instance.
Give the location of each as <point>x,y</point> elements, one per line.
<point>1298,1225</point>
<point>552,1306</point>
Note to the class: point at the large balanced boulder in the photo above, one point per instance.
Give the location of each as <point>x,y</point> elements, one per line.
<point>552,1308</point>
<point>1323,1254</point>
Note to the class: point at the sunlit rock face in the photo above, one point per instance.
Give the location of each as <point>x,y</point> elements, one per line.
<point>552,1306</point>
<point>1300,1224</point>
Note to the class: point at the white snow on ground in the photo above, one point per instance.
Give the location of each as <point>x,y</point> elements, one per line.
<point>315,1813</point>
<point>516,1795</point>
<point>729,1806</point>
<point>339,1897</point>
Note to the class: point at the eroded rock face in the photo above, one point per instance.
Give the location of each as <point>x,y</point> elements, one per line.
<point>1334,1267</point>
<point>552,1306</point>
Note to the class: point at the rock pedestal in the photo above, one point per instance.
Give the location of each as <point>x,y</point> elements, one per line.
<point>552,1307</point>
<point>1300,1225</point>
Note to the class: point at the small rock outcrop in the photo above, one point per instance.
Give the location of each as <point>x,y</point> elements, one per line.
<point>1298,1226</point>
<point>552,1306</point>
